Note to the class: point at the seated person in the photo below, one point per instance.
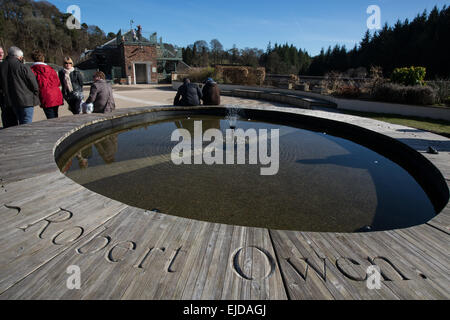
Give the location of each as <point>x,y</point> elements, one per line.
<point>211,93</point>
<point>190,94</point>
<point>101,94</point>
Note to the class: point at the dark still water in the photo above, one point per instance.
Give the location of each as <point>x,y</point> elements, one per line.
<point>324,183</point>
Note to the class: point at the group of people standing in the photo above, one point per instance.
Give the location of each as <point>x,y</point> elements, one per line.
<point>23,87</point>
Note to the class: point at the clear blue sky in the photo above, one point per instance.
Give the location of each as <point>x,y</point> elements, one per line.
<point>310,24</point>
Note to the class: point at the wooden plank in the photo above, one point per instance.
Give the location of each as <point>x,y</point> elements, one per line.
<point>417,289</point>
<point>433,263</point>
<point>233,284</point>
<point>301,280</point>
<point>399,270</point>
<point>29,246</point>
<point>174,241</point>
<point>216,273</point>
<point>125,268</point>
<point>396,260</point>
<point>352,264</point>
<point>199,285</point>
<point>102,258</point>
<point>188,277</point>
<point>23,203</point>
<point>325,255</point>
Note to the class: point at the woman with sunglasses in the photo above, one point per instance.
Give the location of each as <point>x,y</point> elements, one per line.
<point>72,85</point>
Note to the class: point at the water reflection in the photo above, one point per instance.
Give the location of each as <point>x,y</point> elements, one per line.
<point>106,147</point>
<point>188,124</point>
<point>391,211</point>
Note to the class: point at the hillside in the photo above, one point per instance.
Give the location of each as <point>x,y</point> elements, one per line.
<point>39,24</point>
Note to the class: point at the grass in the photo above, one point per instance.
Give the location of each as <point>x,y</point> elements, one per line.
<point>441,127</point>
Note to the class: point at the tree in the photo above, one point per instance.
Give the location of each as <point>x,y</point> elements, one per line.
<point>31,25</point>
<point>420,42</point>
<point>216,49</point>
<point>110,36</point>
<point>234,54</point>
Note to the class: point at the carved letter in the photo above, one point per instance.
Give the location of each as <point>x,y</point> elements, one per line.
<point>140,264</point>
<point>236,264</point>
<point>304,263</point>
<point>347,267</point>
<point>94,245</point>
<point>14,208</point>
<point>387,269</point>
<point>119,250</point>
<point>172,261</point>
<point>60,216</point>
<point>68,235</point>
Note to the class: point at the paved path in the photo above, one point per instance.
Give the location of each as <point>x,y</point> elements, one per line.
<point>139,96</point>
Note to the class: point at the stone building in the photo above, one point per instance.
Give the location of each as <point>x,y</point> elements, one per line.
<point>131,58</point>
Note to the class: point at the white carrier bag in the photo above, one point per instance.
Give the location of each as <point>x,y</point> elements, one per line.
<point>87,107</point>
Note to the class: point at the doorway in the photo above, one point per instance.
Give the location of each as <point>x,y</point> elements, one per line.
<point>141,72</point>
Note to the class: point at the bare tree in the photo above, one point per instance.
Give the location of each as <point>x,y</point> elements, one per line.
<point>216,49</point>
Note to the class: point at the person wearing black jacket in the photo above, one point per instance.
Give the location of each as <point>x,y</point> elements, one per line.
<point>189,93</point>
<point>20,90</point>
<point>8,117</point>
<point>72,85</point>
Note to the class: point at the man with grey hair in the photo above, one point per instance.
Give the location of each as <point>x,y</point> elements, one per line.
<point>15,52</point>
<point>19,86</point>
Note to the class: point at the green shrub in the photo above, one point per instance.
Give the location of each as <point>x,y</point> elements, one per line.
<point>418,94</point>
<point>409,76</point>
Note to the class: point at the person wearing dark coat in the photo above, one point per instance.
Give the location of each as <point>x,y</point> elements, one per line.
<point>8,117</point>
<point>189,93</point>
<point>211,93</point>
<point>72,85</point>
<point>20,90</point>
<point>48,81</point>
<point>101,94</point>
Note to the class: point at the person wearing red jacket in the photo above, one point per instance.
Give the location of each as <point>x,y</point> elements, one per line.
<point>48,81</point>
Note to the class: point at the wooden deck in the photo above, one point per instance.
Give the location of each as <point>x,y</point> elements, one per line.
<point>48,223</point>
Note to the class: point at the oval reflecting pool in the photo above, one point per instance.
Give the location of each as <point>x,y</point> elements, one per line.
<point>322,183</point>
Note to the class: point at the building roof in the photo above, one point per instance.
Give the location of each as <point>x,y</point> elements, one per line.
<point>165,51</point>
<point>130,37</point>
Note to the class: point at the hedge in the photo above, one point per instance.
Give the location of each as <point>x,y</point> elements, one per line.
<point>418,94</point>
